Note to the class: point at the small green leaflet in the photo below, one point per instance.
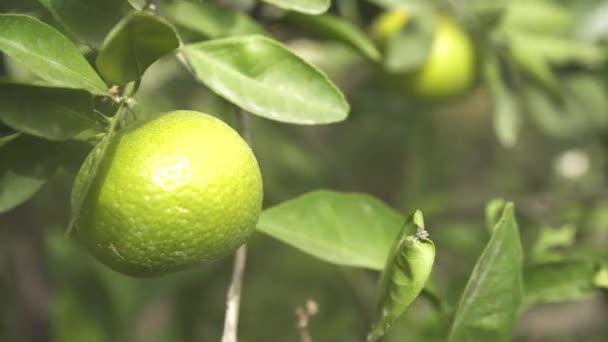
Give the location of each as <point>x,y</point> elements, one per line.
<point>405,275</point>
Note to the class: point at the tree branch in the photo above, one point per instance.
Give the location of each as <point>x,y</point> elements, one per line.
<point>304,314</point>
<point>233,299</point>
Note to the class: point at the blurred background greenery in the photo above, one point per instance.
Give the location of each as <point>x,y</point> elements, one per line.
<point>440,157</point>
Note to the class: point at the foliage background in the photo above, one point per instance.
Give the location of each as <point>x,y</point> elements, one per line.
<point>443,159</point>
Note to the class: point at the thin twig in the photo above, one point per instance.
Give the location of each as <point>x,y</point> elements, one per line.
<point>99,153</point>
<point>233,299</point>
<point>245,123</point>
<point>304,314</point>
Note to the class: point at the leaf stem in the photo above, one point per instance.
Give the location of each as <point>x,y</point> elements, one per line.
<point>99,152</point>
<point>233,298</point>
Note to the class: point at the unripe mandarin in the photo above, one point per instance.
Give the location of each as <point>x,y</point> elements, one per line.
<point>173,192</point>
<point>450,66</point>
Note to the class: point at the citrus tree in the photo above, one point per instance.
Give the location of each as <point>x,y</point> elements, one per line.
<point>164,136</point>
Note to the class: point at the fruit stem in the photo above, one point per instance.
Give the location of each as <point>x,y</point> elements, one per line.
<point>233,299</point>
<point>101,151</point>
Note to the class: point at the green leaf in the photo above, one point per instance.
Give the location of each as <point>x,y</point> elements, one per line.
<point>265,78</point>
<point>507,115</point>
<point>553,115</point>
<point>133,45</point>
<point>406,273</point>
<point>550,239</point>
<point>532,62</point>
<point>350,10</point>
<point>558,282</point>
<point>92,164</point>
<point>494,209</point>
<point>561,51</point>
<point>490,302</point>
<point>209,20</point>
<point>580,109</point>
<point>5,139</point>
<point>537,53</point>
<point>391,4</point>
<point>507,118</point>
<point>138,4</point>
<point>409,49</point>
<point>482,14</point>
<point>26,163</point>
<point>47,53</point>
<point>588,93</point>
<point>50,113</point>
<point>342,228</point>
<point>89,20</point>
<point>544,17</point>
<point>338,29</point>
<point>304,6</point>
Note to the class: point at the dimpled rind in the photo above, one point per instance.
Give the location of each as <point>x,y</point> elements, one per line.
<point>173,192</point>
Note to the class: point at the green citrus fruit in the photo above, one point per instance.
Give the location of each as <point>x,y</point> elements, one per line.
<point>450,67</point>
<point>173,192</point>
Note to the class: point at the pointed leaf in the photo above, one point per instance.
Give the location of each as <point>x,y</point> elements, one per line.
<point>558,117</point>
<point>490,302</point>
<point>507,116</point>
<point>26,163</point>
<point>133,45</point>
<point>138,4</point>
<point>541,17</point>
<point>558,282</point>
<point>50,113</point>
<point>342,228</point>
<point>337,29</point>
<point>5,139</point>
<point>89,20</point>
<point>588,92</point>
<point>561,51</point>
<point>47,53</point>
<point>410,47</point>
<point>494,210</point>
<point>266,79</point>
<point>551,243</point>
<point>91,166</point>
<point>304,6</point>
<point>392,4</point>
<point>532,62</point>
<point>210,20</point>
<point>537,53</point>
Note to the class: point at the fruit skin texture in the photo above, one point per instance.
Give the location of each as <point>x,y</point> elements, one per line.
<point>173,192</point>
<point>450,66</point>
